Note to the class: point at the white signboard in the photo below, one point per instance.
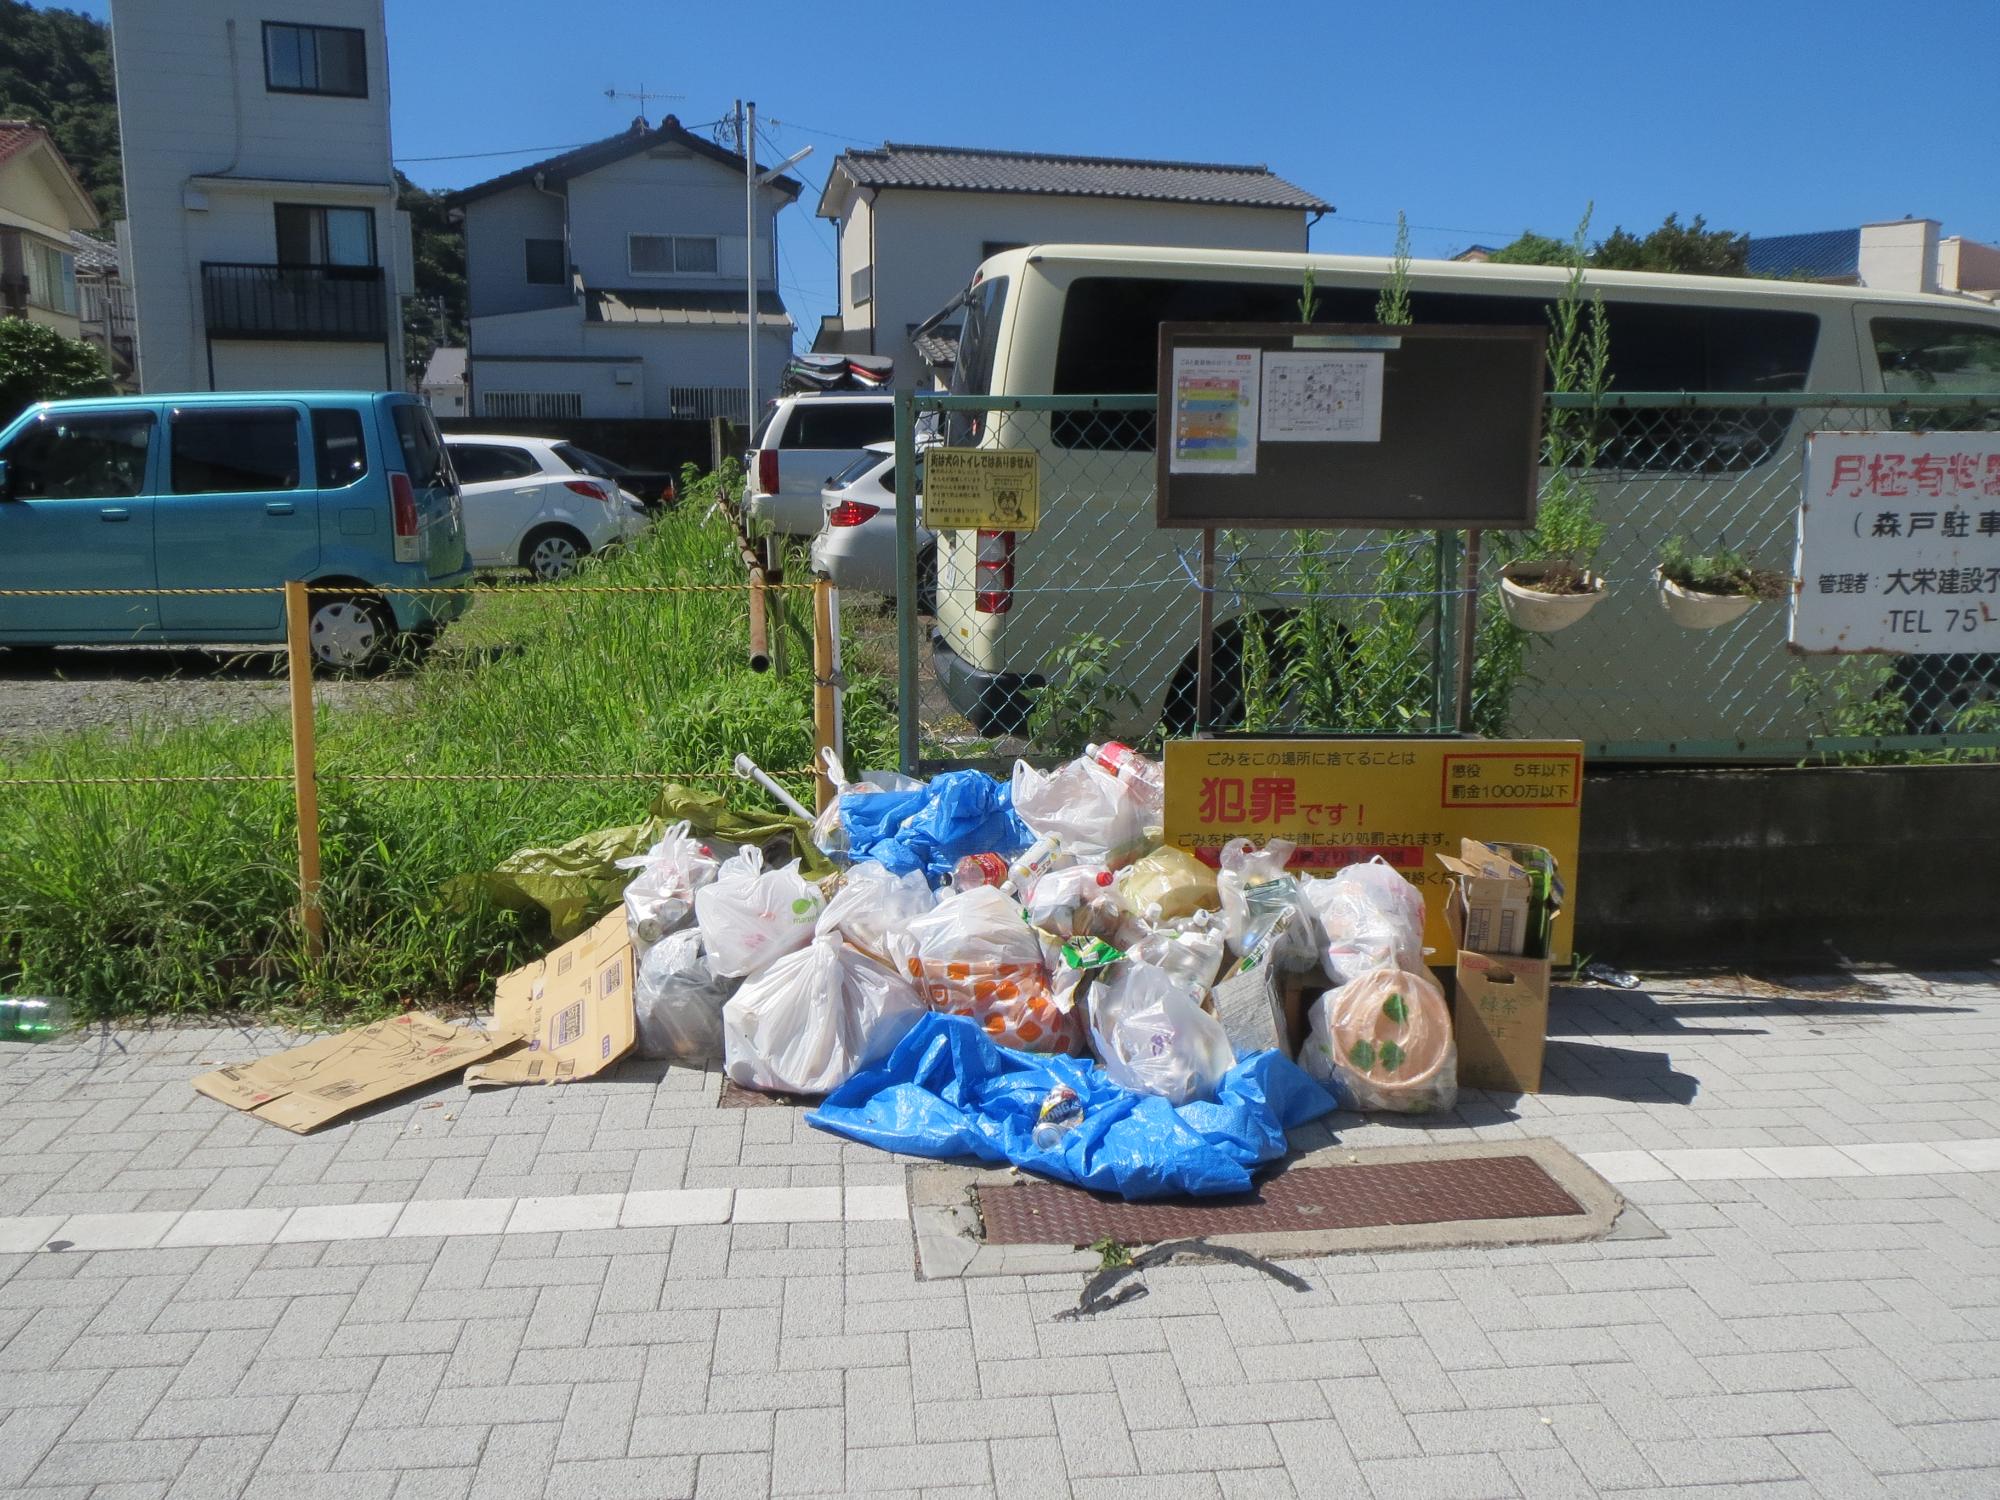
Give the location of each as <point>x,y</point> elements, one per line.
<point>1315,397</point>
<point>1899,543</point>
<point>1215,412</point>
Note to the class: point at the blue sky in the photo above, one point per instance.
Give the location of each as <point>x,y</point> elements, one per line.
<point>1475,119</point>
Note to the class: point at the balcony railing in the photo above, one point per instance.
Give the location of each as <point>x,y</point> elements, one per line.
<point>244,301</point>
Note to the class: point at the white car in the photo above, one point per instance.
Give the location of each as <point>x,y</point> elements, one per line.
<point>856,547</point>
<point>801,444</point>
<point>529,504</point>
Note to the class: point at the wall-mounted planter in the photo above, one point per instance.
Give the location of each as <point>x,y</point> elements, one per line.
<point>1694,610</point>
<point>1531,609</point>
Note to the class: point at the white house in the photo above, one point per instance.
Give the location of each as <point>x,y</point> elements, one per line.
<point>915,221</point>
<point>41,206</point>
<point>1898,255</point>
<point>443,383</point>
<point>266,248</point>
<point>610,281</point>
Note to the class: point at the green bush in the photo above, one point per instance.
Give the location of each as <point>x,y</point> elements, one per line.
<point>39,364</point>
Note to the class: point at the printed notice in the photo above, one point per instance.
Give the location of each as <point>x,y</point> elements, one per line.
<point>1321,397</point>
<point>990,489</point>
<point>1215,412</point>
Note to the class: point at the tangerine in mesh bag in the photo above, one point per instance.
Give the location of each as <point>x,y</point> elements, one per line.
<point>1010,1002</point>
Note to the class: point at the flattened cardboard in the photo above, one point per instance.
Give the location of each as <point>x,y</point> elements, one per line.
<point>313,1085</point>
<point>1252,1010</point>
<point>1501,1021</point>
<point>574,1006</point>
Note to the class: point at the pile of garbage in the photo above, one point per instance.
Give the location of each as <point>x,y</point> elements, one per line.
<point>1023,971</point>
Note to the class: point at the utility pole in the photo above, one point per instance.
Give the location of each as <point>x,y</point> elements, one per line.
<point>746,136</point>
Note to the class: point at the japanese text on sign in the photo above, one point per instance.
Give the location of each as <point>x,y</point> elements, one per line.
<point>990,489</point>
<point>1348,801</point>
<point>1899,543</point>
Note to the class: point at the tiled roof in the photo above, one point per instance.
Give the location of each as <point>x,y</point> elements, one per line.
<point>612,148</point>
<point>963,169</point>
<point>1818,255</point>
<point>17,136</point>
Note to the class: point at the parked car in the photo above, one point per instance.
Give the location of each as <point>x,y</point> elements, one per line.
<point>856,547</point>
<point>801,444</point>
<point>529,505</point>
<point>235,490</point>
<point>652,488</point>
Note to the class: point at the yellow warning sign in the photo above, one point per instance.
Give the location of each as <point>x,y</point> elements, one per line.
<point>1346,801</point>
<point>981,489</point>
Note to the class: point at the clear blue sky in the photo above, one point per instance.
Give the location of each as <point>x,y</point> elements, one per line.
<point>1475,119</point>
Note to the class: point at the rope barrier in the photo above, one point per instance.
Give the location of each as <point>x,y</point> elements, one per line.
<point>556,589</point>
<point>220,778</point>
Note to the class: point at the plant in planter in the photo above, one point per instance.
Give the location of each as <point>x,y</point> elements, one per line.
<point>1702,590</point>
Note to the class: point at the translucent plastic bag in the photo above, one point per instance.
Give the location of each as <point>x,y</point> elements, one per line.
<point>1153,1037</point>
<point>811,1018</point>
<point>660,898</point>
<point>1370,917</point>
<point>1167,884</point>
<point>1095,815</point>
<point>678,1001</point>
<point>1384,1040</point>
<point>976,956</point>
<point>829,832</point>
<point>1261,902</point>
<point>871,904</point>
<point>750,916</point>
<point>1075,901</point>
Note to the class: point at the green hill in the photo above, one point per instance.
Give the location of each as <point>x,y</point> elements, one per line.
<point>55,69</point>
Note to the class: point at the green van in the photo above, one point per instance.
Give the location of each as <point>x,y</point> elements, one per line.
<point>152,495</point>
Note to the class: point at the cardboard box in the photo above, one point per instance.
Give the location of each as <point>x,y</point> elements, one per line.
<point>1492,899</point>
<point>313,1085</point>
<point>1251,1009</point>
<point>573,1006</point>
<point>1501,1021</point>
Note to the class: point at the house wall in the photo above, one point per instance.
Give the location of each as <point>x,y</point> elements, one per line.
<point>1900,256</point>
<point>192,102</point>
<point>666,191</point>
<point>275,365</point>
<point>1967,265</point>
<point>927,245</point>
<point>40,210</point>
<point>497,230</point>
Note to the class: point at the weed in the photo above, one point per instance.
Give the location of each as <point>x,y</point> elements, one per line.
<point>1723,571</point>
<point>1079,700</point>
<point>1111,1253</point>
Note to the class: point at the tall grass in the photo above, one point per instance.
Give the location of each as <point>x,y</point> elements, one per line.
<point>181,899</point>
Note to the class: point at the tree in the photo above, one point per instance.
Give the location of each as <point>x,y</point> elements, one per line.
<point>39,364</point>
<point>1531,249</point>
<point>55,69</point>
<point>1691,248</point>
<point>436,314</point>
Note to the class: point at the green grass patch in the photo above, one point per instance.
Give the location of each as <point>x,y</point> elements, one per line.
<point>181,900</point>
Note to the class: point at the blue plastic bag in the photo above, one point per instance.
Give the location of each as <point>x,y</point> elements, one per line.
<point>934,826</point>
<point>947,1091</point>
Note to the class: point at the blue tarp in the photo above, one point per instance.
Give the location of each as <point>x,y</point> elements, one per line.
<point>949,1091</point>
<point>936,825</point>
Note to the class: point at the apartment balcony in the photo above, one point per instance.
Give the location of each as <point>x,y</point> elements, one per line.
<point>336,304</point>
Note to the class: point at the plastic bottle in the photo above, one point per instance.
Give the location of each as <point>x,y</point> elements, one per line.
<point>1061,1112</point>
<point>1037,860</point>
<point>1146,777</point>
<point>1192,954</point>
<point>976,870</point>
<point>32,1018</point>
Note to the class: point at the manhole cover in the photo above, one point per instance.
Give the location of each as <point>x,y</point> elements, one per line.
<point>1359,1196</point>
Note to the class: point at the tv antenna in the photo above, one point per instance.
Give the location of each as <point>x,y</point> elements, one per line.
<point>642,95</point>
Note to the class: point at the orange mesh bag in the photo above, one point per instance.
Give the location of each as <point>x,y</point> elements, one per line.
<point>976,956</point>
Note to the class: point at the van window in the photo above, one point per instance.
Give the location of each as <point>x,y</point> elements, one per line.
<point>1918,355</point>
<point>339,454</point>
<point>416,434</point>
<point>839,424</point>
<point>233,450</point>
<point>972,374</point>
<point>80,456</point>
<point>770,413</point>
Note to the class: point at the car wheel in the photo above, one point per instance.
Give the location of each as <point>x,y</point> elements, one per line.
<point>553,552</point>
<point>927,581</point>
<point>349,633</point>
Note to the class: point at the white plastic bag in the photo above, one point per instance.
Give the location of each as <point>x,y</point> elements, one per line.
<point>871,904</point>
<point>750,916</point>
<point>1264,913</point>
<point>1370,917</point>
<point>1153,1037</point>
<point>678,1001</point>
<point>1075,901</point>
<point>810,1019</point>
<point>1095,815</point>
<point>975,955</point>
<point>1384,1041</point>
<point>660,898</point>
<point>828,831</point>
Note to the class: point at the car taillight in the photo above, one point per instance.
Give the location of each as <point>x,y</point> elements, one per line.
<point>851,513</point>
<point>767,470</point>
<point>993,570</point>
<point>403,518</point>
<point>590,489</point>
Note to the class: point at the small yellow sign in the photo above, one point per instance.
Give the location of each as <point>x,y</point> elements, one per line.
<point>981,489</point>
<point>1345,801</point>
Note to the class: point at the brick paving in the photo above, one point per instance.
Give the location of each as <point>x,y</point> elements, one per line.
<point>452,1297</point>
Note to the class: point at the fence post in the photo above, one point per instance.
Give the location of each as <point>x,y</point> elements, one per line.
<point>1444,672</point>
<point>1468,632</point>
<point>907,747</point>
<point>826,689</point>
<point>305,764</point>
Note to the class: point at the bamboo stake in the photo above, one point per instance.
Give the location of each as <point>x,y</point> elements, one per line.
<point>305,765</point>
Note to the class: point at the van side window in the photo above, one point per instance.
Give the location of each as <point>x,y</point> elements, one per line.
<point>1922,356</point>
<point>839,424</point>
<point>233,451</point>
<point>79,456</point>
<point>338,451</point>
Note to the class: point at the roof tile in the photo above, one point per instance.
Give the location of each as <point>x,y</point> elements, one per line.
<point>964,169</point>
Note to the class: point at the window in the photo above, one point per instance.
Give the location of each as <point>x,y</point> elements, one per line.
<point>671,254</point>
<point>489,463</point>
<point>596,465</point>
<point>339,454</point>
<point>706,401</point>
<point>858,470</point>
<point>233,450</point>
<point>839,424</point>
<point>861,286</point>
<point>532,405</point>
<point>51,278</point>
<point>80,456</point>
<point>309,235</point>
<point>1921,356</point>
<point>315,60</point>
<point>417,436</point>
<point>545,262</point>
<point>972,371</point>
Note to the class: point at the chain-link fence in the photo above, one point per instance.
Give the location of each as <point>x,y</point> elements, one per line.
<point>1089,624</point>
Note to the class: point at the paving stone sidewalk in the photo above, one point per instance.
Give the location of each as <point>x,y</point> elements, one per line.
<point>1820,1317</point>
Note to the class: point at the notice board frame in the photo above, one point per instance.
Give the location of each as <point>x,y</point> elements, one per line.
<point>1487,422</point>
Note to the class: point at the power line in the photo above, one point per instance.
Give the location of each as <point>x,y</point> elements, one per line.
<point>829,134</point>
<point>516,151</point>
